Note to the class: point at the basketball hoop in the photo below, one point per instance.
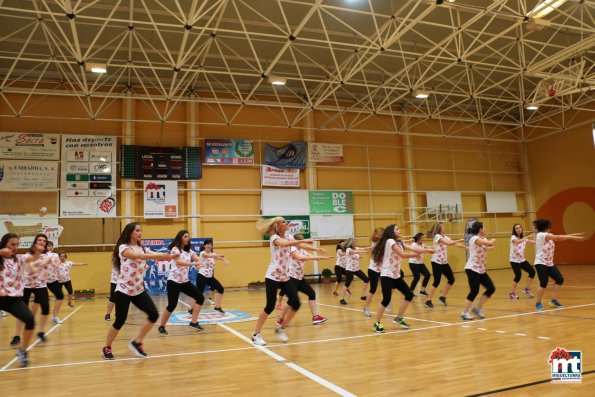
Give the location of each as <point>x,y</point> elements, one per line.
<point>551,89</point>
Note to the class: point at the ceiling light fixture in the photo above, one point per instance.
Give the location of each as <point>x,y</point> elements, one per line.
<point>544,8</point>
<point>421,94</point>
<point>96,67</point>
<point>532,106</point>
<point>276,80</point>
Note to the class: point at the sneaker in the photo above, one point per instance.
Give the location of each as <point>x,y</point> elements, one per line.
<point>401,322</point>
<point>442,300</point>
<point>56,320</point>
<point>211,301</point>
<point>429,305</point>
<point>367,312</point>
<point>539,306</point>
<point>3,313</point>
<point>362,298</point>
<point>196,326</point>
<point>279,322</point>
<point>318,319</point>
<point>282,335</point>
<point>343,302</point>
<point>162,330</point>
<point>257,339</point>
<point>528,292</point>
<point>555,303</point>
<point>189,311</point>
<point>478,312</point>
<point>107,353</point>
<point>466,316</point>
<point>137,348</point>
<point>16,340</point>
<point>41,336</point>
<point>389,308</point>
<point>424,293</point>
<point>107,317</point>
<point>512,295</point>
<point>70,304</point>
<point>220,310</point>
<point>23,359</point>
<point>378,328</point>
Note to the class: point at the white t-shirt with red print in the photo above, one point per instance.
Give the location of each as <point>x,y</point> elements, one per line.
<point>51,270</point>
<point>132,271</point>
<point>279,267</point>
<point>35,279</point>
<point>179,274</point>
<point>478,256</point>
<point>517,251</point>
<point>544,250</point>
<point>296,267</point>
<point>114,276</point>
<point>208,265</point>
<point>391,262</point>
<point>419,259</point>
<point>12,281</point>
<point>352,260</point>
<point>341,259</point>
<point>440,255</point>
<point>64,271</point>
<point>375,267</point>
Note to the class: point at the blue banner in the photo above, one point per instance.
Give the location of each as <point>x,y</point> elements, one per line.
<point>292,155</point>
<point>156,275</point>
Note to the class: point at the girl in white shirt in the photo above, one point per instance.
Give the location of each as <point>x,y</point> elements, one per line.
<point>129,258</point>
<point>54,286</point>
<point>352,269</point>
<point>373,271</point>
<point>64,275</point>
<point>277,276</point>
<point>206,274</point>
<point>518,262</point>
<point>476,271</point>
<point>544,260</point>
<point>340,265</point>
<point>418,266</point>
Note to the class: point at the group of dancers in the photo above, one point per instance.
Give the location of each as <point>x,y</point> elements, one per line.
<point>40,269</point>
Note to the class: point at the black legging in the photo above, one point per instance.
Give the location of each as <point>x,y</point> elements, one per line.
<point>112,292</point>
<point>56,289</point>
<point>374,277</point>
<point>173,294</point>
<point>212,282</point>
<point>289,290</point>
<point>339,273</point>
<point>417,269</point>
<point>18,308</point>
<point>349,277</point>
<point>68,286</point>
<point>304,287</point>
<point>475,279</point>
<point>41,297</point>
<point>388,284</point>
<point>543,272</point>
<point>438,270</point>
<point>143,301</point>
<point>516,268</point>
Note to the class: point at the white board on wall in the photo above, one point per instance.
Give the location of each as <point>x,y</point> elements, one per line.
<point>444,198</point>
<point>279,202</point>
<point>331,226</point>
<point>501,202</point>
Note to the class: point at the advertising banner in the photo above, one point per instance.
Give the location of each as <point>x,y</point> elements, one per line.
<point>292,155</point>
<point>27,227</point>
<point>273,176</point>
<point>297,224</point>
<point>327,202</point>
<point>28,175</point>
<point>88,182</point>
<point>229,151</point>
<point>161,199</point>
<point>325,153</point>
<point>23,145</point>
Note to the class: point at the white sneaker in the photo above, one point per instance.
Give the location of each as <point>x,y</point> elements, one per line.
<point>211,301</point>
<point>3,313</point>
<point>282,335</point>
<point>257,339</point>
<point>367,312</point>
<point>466,316</point>
<point>56,320</point>
<point>389,308</point>
<point>478,312</point>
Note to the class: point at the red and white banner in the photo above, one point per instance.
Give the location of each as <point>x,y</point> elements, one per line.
<point>273,176</point>
<point>325,153</point>
<point>161,199</point>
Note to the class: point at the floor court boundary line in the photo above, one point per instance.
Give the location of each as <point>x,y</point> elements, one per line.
<point>37,340</point>
<point>321,381</point>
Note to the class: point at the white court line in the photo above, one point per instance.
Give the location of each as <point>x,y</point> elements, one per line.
<point>519,334</point>
<point>543,337</point>
<point>387,315</point>
<point>37,340</point>
<point>295,367</point>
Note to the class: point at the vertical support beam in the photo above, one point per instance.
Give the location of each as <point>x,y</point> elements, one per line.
<point>128,135</point>
<point>529,197</point>
<point>192,135</point>
<point>312,182</point>
<point>410,179</point>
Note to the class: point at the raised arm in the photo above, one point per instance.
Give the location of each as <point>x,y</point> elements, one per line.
<point>281,242</point>
<point>419,250</point>
<point>215,256</point>
<point>562,237</point>
<point>449,242</point>
<point>149,255</point>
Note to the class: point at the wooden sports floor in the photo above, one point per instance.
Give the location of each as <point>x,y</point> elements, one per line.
<point>506,354</point>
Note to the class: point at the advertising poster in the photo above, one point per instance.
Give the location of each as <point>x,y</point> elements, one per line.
<point>29,146</point>
<point>27,227</point>
<point>325,153</point>
<point>229,151</point>
<point>28,175</point>
<point>161,199</point>
<point>273,176</point>
<point>327,202</point>
<point>88,181</point>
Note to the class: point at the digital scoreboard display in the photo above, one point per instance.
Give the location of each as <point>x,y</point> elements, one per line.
<point>165,163</point>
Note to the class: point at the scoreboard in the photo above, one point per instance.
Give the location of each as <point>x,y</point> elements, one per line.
<point>165,163</point>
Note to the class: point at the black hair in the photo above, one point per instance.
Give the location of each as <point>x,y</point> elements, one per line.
<point>542,224</point>
<point>3,243</point>
<point>418,237</point>
<point>378,250</point>
<point>476,227</point>
<point>178,242</point>
<point>514,231</point>
<point>37,237</point>
<point>207,241</point>
<point>340,245</point>
<point>124,239</point>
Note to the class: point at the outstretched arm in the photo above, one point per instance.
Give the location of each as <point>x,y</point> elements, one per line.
<point>562,237</point>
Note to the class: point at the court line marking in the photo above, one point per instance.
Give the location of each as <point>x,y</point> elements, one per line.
<point>321,381</point>
<point>37,340</point>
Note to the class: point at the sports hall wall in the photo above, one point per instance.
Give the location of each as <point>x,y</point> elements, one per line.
<point>388,174</point>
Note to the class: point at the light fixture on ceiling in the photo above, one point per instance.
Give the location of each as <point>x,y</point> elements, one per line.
<point>96,67</point>
<point>276,80</point>
<point>544,8</point>
<point>421,94</point>
<point>532,106</point>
